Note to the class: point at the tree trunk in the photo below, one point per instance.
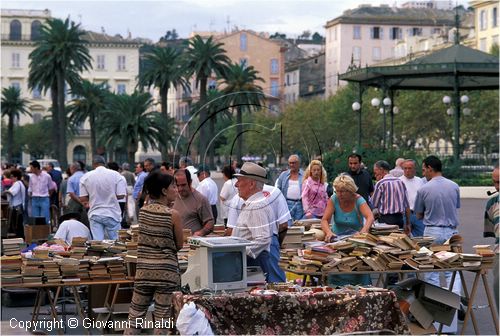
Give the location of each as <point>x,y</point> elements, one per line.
<point>10,138</point>
<point>55,120</point>
<point>93,136</point>
<point>131,150</point>
<point>164,112</point>
<point>211,150</point>
<point>239,130</point>
<point>202,140</point>
<point>63,158</point>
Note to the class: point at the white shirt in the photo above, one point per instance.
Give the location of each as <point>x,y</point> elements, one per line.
<point>254,223</point>
<point>412,186</point>
<point>102,186</point>
<point>227,193</point>
<point>194,178</point>
<point>293,191</point>
<point>17,193</point>
<point>274,198</point>
<point>209,189</point>
<point>72,228</point>
<point>124,199</point>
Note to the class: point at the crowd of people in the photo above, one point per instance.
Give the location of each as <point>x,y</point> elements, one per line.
<point>165,199</point>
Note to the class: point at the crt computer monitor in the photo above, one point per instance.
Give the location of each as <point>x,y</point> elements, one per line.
<point>217,263</point>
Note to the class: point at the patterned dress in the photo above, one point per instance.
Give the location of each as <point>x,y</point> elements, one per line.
<point>157,274</point>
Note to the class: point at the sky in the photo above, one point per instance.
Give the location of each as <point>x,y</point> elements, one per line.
<point>151,19</point>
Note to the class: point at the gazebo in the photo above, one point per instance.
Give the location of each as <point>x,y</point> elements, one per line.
<point>454,68</point>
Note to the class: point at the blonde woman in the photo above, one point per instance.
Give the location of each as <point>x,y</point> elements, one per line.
<point>350,212</point>
<point>314,195</point>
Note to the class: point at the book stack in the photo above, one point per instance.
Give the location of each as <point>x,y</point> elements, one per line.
<point>98,270</point>
<point>383,229</point>
<point>51,272</point>
<point>302,264</point>
<point>470,260</point>
<point>487,255</point>
<point>293,238</point>
<point>286,255</point>
<point>134,232</point>
<point>83,269</point>
<point>308,237</point>
<point>32,271</point>
<point>115,266</point>
<point>423,257</point>
<point>124,235</point>
<point>97,248</point>
<point>10,269</point>
<point>219,230</point>
<point>182,256</point>
<point>12,246</point>
<point>117,249</point>
<point>424,241</point>
<point>41,252</point>
<point>69,269</point>
<point>131,250</point>
<point>78,247</point>
<point>320,253</point>
<point>451,258</point>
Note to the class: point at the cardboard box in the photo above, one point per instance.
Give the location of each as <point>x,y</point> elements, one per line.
<point>432,303</point>
<point>416,329</point>
<point>35,232</point>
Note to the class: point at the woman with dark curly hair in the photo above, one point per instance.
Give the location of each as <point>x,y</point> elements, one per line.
<point>160,237</point>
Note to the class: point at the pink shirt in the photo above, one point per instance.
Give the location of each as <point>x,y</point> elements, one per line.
<point>40,185</point>
<point>314,197</point>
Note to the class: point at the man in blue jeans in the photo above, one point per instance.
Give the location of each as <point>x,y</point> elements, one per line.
<point>290,184</point>
<point>40,187</point>
<point>437,202</point>
<point>100,190</point>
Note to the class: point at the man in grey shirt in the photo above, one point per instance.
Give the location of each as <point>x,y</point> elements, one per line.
<point>437,202</point>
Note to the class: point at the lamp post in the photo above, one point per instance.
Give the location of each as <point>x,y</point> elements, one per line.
<point>376,103</point>
<point>455,111</point>
<point>387,105</point>
<point>356,107</point>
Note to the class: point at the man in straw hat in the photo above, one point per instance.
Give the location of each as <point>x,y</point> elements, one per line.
<point>256,218</point>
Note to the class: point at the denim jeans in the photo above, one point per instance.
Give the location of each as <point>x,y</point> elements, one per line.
<point>442,234</point>
<point>276,274</point>
<point>40,207</point>
<point>296,211</point>
<point>417,225</point>
<point>262,260</point>
<point>100,225</point>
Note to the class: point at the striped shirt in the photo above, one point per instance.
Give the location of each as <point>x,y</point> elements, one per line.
<point>390,196</point>
<point>255,224</point>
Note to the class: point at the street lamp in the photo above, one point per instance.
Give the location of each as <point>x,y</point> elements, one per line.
<point>455,111</point>
<point>356,107</point>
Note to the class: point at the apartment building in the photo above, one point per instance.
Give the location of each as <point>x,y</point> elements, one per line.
<point>305,79</point>
<point>115,60</point>
<point>368,35</point>
<point>436,4</point>
<point>486,22</point>
<point>265,55</point>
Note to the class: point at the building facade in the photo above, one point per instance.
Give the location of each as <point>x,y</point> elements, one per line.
<point>114,60</point>
<point>368,35</point>
<point>305,79</point>
<point>486,22</point>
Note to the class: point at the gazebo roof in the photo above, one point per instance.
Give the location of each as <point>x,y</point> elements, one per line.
<point>474,69</point>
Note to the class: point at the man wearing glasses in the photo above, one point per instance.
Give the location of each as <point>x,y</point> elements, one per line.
<point>290,184</point>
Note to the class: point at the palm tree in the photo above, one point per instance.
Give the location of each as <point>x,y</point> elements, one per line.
<point>59,56</point>
<point>243,93</point>
<point>128,121</point>
<point>203,58</point>
<point>163,70</point>
<point>89,104</point>
<point>12,108</point>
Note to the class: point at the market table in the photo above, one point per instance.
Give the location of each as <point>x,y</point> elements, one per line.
<point>111,295</point>
<point>325,312</point>
<point>480,273</point>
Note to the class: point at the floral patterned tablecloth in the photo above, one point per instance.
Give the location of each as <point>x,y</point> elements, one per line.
<point>339,311</point>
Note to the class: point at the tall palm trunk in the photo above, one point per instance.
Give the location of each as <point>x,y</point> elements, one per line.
<point>164,112</point>
<point>10,138</point>
<point>211,150</point>
<point>239,130</point>
<point>63,158</point>
<point>93,136</point>
<point>202,142</point>
<point>55,120</point>
<point>131,150</point>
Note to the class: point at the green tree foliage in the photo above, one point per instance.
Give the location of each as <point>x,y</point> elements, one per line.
<point>88,105</point>
<point>201,59</point>
<point>244,94</point>
<point>128,121</point>
<point>13,106</point>
<point>163,70</point>
<point>59,56</point>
